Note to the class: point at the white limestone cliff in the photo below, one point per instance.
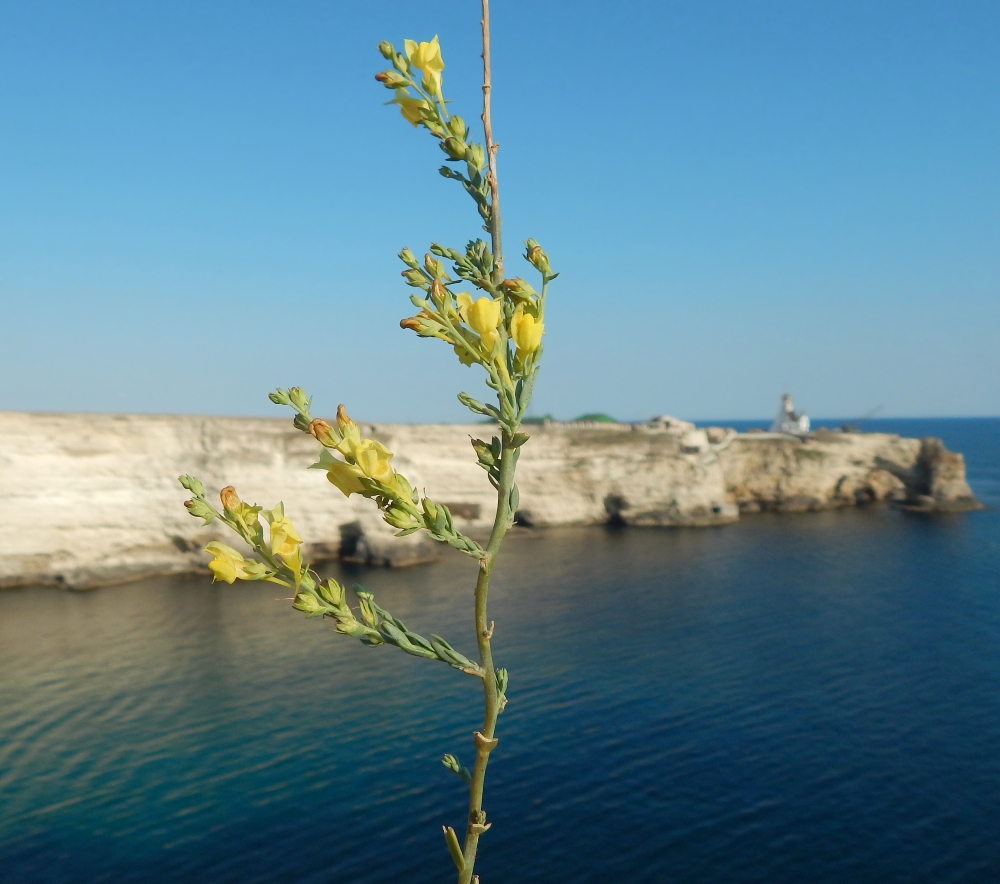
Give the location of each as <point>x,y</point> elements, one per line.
<point>93,499</point>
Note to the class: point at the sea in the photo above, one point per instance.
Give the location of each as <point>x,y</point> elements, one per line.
<point>793,698</point>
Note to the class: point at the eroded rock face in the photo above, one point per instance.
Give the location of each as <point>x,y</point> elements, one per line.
<point>94,498</point>
<point>767,471</point>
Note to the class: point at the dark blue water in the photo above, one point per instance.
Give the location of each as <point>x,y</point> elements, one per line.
<point>810,698</point>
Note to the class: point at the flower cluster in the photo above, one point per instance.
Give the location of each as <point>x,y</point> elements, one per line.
<point>363,468</point>
<point>282,562</point>
<point>416,81</point>
<point>501,330</point>
<point>281,551</point>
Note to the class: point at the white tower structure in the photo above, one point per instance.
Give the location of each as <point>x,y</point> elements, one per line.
<point>789,420</point>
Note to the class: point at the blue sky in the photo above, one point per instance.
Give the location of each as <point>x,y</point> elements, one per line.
<point>201,201</point>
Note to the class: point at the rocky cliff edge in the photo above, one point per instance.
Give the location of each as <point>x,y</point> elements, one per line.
<point>93,499</point>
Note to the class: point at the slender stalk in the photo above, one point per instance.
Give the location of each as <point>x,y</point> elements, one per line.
<point>484,740</point>
<point>491,152</point>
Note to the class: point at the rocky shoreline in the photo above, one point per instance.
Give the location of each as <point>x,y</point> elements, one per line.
<point>93,499</point>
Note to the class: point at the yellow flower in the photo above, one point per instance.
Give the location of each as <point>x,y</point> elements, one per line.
<point>345,476</point>
<point>464,301</point>
<point>409,106</point>
<point>526,331</point>
<point>427,57</point>
<point>373,460</point>
<point>482,316</point>
<point>285,540</point>
<point>227,564</point>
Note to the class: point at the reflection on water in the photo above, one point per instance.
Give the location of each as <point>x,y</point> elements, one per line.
<point>788,699</point>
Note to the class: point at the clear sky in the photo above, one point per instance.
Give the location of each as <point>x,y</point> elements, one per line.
<point>202,200</point>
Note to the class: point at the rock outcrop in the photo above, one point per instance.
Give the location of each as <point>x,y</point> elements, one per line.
<point>824,470</point>
<point>94,499</point>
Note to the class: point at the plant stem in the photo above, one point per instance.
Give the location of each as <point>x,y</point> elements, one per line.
<point>491,152</point>
<point>484,740</point>
<point>484,633</point>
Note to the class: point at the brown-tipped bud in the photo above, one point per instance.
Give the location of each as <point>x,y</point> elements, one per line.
<point>431,265</point>
<point>538,259</point>
<point>411,322</point>
<point>438,291</point>
<point>344,423</point>
<point>392,80</point>
<point>230,499</point>
<point>322,432</point>
<point>517,288</point>
<point>385,47</point>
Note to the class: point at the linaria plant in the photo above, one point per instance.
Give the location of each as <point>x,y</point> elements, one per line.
<point>500,330</point>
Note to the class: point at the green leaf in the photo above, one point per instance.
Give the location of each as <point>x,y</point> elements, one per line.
<point>451,839</point>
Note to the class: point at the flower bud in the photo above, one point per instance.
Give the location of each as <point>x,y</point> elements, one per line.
<point>475,157</point>
<point>454,147</point>
<point>518,288</point>
<point>412,323</point>
<point>367,611</point>
<point>392,80</point>
<point>279,397</point>
<point>307,603</point>
<point>344,423</point>
<point>414,277</point>
<point>438,292</point>
<point>298,398</point>
<point>434,267</point>
<point>350,626</point>
<point>199,509</point>
<point>322,432</point>
<point>331,592</point>
<point>457,127</point>
<point>399,518</point>
<point>408,258</point>
<point>190,483</point>
<point>536,257</point>
<point>230,499</point>
<point>387,50</point>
